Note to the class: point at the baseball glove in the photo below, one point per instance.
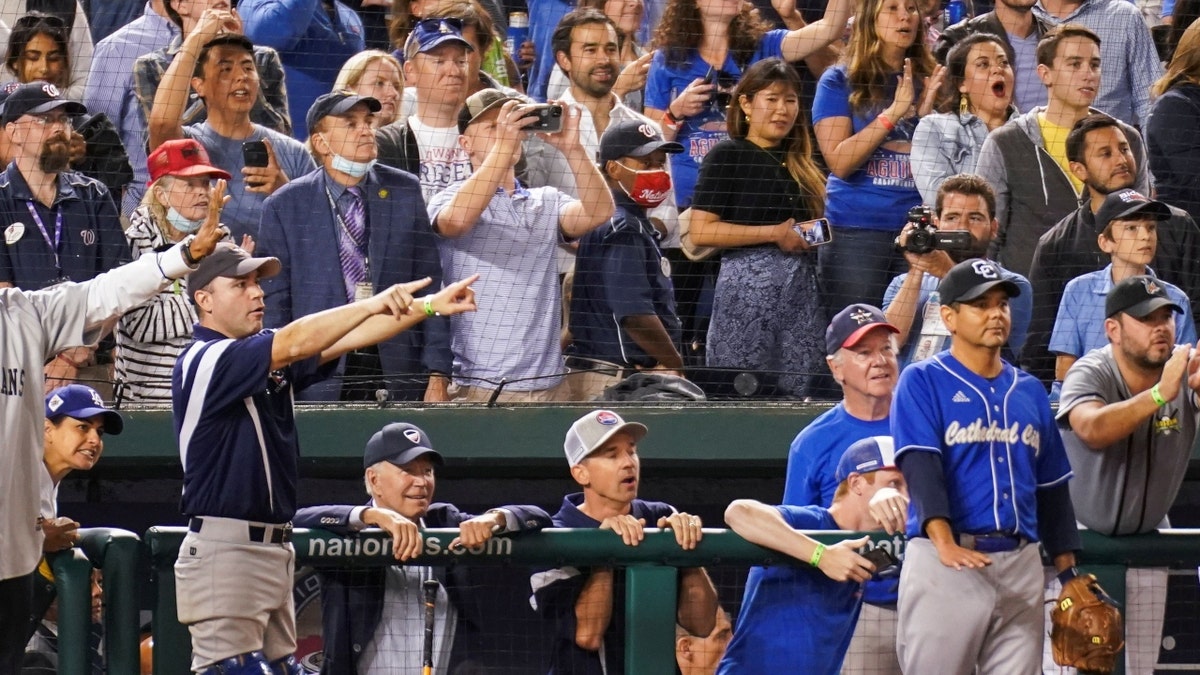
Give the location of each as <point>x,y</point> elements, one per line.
<point>1086,630</point>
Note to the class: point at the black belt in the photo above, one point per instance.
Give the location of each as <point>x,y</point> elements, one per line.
<point>992,542</point>
<point>280,534</point>
<point>584,364</point>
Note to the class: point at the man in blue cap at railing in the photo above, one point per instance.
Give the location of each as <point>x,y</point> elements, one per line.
<point>794,619</point>
<point>369,614</point>
<point>586,604</point>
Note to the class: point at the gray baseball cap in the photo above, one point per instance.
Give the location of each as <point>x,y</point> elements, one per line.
<point>229,260</point>
<point>593,430</point>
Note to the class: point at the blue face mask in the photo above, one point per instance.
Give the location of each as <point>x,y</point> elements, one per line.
<point>184,225</point>
<point>350,167</point>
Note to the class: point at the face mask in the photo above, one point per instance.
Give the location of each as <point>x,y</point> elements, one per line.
<point>650,187</point>
<point>182,224</point>
<point>350,167</point>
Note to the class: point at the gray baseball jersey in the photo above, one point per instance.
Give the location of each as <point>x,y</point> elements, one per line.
<point>34,326</point>
<point>1127,487</point>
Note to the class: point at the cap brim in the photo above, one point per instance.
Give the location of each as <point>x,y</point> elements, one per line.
<point>635,429</point>
<point>1145,307</point>
<point>199,170</point>
<point>415,452</point>
<point>977,290</point>
<point>862,331</point>
<point>669,147</point>
<point>72,107</point>
<point>490,107</point>
<point>443,39</point>
<point>348,104</point>
<point>1156,210</point>
<point>114,424</point>
<point>267,267</point>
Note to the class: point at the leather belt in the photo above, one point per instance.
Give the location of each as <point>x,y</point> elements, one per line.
<point>992,542</point>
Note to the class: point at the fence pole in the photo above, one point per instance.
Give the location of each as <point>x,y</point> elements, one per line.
<point>650,600</point>
<point>73,581</point>
<point>116,552</point>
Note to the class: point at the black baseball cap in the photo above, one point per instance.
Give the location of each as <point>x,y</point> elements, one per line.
<point>633,138</point>
<point>229,260</point>
<point>972,278</point>
<point>1124,204</point>
<point>36,98</point>
<point>338,103</point>
<point>480,103</point>
<point>851,324</point>
<point>82,402</point>
<point>399,443</point>
<point>1137,296</point>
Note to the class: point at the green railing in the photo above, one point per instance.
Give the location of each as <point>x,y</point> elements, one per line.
<point>650,596</point>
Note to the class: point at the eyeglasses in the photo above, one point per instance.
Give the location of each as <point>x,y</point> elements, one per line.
<point>49,121</point>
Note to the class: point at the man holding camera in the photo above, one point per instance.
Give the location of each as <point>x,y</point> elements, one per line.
<point>493,226</point>
<point>965,205</point>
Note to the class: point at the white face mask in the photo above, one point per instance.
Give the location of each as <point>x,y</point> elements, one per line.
<point>184,225</point>
<point>349,166</point>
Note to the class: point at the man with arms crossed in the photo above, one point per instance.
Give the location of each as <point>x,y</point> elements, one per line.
<point>1128,415</point>
<point>232,396</point>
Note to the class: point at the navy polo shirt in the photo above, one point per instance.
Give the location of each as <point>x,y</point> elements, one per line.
<point>620,272</point>
<point>91,240</point>
<point>236,427</point>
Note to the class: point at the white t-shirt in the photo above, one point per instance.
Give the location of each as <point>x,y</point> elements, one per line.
<point>443,161</point>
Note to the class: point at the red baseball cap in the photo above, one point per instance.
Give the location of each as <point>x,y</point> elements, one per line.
<point>182,157</point>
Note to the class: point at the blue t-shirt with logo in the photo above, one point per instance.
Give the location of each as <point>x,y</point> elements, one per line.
<point>700,132</point>
<point>879,194</point>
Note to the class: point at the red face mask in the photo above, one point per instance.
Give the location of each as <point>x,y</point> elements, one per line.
<point>650,187</point>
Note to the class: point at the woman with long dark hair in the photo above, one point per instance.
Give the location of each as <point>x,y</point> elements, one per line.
<point>1173,129</point>
<point>757,193</point>
<point>864,114</point>
<point>976,97</point>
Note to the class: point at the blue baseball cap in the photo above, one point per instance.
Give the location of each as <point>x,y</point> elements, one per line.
<point>851,324</point>
<point>399,443</point>
<point>866,455</point>
<point>82,402</point>
<point>429,34</point>
<point>336,104</point>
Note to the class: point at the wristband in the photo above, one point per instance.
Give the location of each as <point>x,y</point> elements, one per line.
<point>1156,394</point>
<point>887,123</point>
<point>429,311</point>
<point>816,556</point>
<point>670,121</point>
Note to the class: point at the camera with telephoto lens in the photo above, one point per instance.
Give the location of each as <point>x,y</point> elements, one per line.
<point>924,237</point>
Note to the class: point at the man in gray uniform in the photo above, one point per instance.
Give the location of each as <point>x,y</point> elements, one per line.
<point>34,326</point>
<point>1122,405</point>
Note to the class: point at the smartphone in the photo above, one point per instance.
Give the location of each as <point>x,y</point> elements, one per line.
<point>549,117</point>
<point>254,153</point>
<point>724,82</point>
<point>815,232</point>
<point>886,564</point>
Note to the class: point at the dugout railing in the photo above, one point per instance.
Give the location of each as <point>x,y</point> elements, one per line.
<point>650,594</point>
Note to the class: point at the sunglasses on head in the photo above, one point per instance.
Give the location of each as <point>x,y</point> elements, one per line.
<point>37,18</point>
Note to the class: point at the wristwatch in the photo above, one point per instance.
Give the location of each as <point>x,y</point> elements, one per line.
<point>186,243</point>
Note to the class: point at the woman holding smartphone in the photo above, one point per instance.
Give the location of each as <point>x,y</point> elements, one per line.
<point>767,311</point>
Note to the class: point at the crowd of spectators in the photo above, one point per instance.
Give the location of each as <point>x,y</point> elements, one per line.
<point>1055,105</point>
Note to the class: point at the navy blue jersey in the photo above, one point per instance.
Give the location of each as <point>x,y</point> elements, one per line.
<point>236,428</point>
<point>555,592</point>
<point>793,619</point>
<point>997,440</point>
<point>620,272</point>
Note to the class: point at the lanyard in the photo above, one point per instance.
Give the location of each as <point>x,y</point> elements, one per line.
<point>55,244</point>
<point>341,221</point>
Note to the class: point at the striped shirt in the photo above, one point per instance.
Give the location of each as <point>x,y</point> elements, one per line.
<point>151,337</point>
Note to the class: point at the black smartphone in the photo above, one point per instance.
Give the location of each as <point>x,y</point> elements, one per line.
<point>725,82</point>
<point>815,232</point>
<point>254,153</point>
<point>549,117</point>
<point>886,564</point>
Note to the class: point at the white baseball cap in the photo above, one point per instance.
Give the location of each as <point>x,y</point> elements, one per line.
<point>593,430</point>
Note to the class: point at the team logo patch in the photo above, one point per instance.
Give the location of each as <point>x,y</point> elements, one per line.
<point>51,90</point>
<point>413,435</point>
<point>13,233</point>
<point>1152,288</point>
<point>383,193</point>
<point>1167,423</point>
<point>89,237</point>
<point>606,418</point>
<point>646,130</point>
<point>985,269</point>
<point>55,403</point>
<point>96,399</point>
<point>860,316</point>
<point>1130,196</point>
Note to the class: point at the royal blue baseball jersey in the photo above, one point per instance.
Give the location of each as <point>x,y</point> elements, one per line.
<point>997,440</point>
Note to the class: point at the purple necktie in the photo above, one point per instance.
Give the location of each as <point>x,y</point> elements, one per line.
<point>352,241</point>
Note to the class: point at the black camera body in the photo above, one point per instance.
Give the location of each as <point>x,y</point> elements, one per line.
<point>549,117</point>
<point>924,237</point>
